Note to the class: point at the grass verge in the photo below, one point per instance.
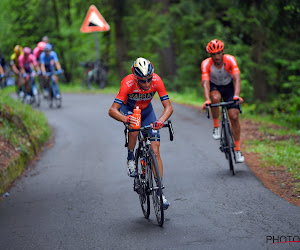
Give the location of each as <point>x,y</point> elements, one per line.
<point>23,130</point>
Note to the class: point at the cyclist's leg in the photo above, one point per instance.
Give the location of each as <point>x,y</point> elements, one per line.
<point>132,138</point>
<point>233,113</point>
<point>215,95</point>
<point>148,117</point>
<point>27,85</point>
<point>55,86</point>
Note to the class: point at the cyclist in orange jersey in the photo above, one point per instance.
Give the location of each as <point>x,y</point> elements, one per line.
<point>221,80</point>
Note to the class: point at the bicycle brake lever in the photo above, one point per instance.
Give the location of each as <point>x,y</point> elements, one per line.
<point>239,103</point>
<point>207,111</point>
<point>126,135</point>
<point>171,131</point>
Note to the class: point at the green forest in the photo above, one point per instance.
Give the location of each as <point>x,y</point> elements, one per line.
<point>263,35</point>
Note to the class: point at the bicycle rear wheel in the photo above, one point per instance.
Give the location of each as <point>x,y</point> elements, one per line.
<point>155,187</point>
<point>228,146</point>
<point>141,186</point>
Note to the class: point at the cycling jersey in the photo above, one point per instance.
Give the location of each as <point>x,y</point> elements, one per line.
<point>148,117</point>
<point>132,95</point>
<point>14,60</point>
<point>25,63</point>
<point>47,59</point>
<point>37,52</point>
<point>221,76</point>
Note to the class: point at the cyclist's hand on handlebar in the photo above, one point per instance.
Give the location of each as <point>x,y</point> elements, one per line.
<point>207,102</point>
<point>157,125</point>
<point>60,71</point>
<point>236,97</point>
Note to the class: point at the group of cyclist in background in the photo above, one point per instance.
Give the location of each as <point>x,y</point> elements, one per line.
<point>27,64</point>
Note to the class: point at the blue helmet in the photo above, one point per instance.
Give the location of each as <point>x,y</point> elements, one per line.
<point>48,47</point>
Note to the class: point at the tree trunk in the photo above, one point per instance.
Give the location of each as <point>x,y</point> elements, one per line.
<point>61,54</point>
<point>119,6</point>
<point>168,55</point>
<point>260,83</point>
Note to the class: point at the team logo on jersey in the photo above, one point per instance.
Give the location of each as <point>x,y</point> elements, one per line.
<point>139,96</point>
<point>130,83</point>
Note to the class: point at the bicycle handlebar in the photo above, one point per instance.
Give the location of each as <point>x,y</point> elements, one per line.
<point>147,128</point>
<point>53,73</point>
<point>221,104</point>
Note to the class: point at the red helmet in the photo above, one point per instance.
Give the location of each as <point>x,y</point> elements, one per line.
<point>41,45</point>
<point>215,46</point>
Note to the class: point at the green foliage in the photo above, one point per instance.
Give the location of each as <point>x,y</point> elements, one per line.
<point>278,153</point>
<point>262,35</point>
<point>11,128</point>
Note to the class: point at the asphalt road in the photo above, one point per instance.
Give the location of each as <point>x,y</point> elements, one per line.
<point>78,195</point>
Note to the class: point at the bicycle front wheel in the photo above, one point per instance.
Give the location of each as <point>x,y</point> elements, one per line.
<point>141,185</point>
<point>228,145</point>
<point>155,186</point>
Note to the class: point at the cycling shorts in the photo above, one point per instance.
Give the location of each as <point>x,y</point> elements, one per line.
<point>49,68</point>
<point>227,92</point>
<point>148,116</point>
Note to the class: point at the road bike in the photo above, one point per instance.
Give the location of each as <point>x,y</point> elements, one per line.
<point>33,97</point>
<point>51,88</point>
<point>227,144</point>
<point>148,180</point>
<point>95,73</point>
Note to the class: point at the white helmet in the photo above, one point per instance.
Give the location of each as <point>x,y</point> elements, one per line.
<point>142,68</point>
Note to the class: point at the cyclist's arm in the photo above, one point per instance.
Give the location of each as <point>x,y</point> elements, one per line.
<point>37,67</point>
<point>167,111</point>
<point>43,69</point>
<point>58,66</point>
<point>1,70</point>
<point>15,69</point>
<point>116,114</point>
<point>206,89</point>
<point>237,84</point>
<point>22,70</point>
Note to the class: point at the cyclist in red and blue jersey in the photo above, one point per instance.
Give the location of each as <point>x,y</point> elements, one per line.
<point>221,79</point>
<point>138,89</point>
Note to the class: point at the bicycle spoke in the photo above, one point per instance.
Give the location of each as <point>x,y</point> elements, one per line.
<point>141,186</point>
<point>155,188</point>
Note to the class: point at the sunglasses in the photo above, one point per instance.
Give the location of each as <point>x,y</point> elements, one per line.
<point>147,80</point>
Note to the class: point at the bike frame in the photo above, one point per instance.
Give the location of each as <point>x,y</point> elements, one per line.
<point>226,142</point>
<point>143,183</point>
<point>49,84</point>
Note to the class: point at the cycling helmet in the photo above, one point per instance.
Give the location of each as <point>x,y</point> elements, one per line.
<point>48,47</point>
<point>142,68</point>
<point>41,45</point>
<point>27,50</point>
<point>215,46</point>
<point>18,49</point>
<point>45,39</point>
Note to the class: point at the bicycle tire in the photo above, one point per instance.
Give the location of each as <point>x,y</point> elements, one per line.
<point>141,186</point>
<point>155,187</point>
<point>228,142</point>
